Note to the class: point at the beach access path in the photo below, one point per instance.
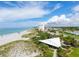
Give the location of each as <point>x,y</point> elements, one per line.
<point>4,39</point>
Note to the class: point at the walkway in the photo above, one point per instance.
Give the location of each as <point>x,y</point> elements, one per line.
<point>55,53</point>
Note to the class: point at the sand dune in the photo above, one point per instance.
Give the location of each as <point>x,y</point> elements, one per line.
<point>19,49</point>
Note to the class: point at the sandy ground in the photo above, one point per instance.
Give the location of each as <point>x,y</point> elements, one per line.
<point>20,49</point>
<point>13,37</point>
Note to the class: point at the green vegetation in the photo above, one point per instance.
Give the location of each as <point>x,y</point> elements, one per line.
<point>68,28</point>
<point>61,52</point>
<point>64,52</point>
<point>68,52</point>
<point>37,35</point>
<point>72,35</point>
<point>70,47</point>
<point>74,53</point>
<point>45,49</point>
<point>43,35</point>
<point>69,40</point>
<point>29,35</point>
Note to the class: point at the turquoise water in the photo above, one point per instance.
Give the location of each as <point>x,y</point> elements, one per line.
<point>11,30</point>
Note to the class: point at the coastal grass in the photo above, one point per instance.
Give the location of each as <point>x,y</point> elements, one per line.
<point>46,50</point>
<point>33,44</point>
<point>37,35</point>
<point>4,49</point>
<point>33,33</point>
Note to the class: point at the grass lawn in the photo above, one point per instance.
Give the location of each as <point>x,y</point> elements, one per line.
<point>72,52</point>
<point>75,52</point>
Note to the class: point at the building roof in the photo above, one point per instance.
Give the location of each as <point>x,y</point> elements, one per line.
<point>52,41</point>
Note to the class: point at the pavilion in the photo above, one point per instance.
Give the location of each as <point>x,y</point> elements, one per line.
<point>52,41</point>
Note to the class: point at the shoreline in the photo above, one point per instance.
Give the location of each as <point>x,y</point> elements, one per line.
<point>6,31</point>
<point>4,39</point>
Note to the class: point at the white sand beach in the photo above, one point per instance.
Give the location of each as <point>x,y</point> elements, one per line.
<point>20,49</point>
<point>13,37</point>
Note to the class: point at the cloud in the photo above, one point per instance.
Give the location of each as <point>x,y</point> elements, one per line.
<point>57,6</point>
<point>22,10</point>
<point>25,10</point>
<point>21,13</point>
<point>76,8</point>
<point>74,16</point>
<point>61,18</point>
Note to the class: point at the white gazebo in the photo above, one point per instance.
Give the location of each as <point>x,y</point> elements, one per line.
<point>52,41</point>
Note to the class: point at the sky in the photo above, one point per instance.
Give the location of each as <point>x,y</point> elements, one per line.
<point>18,14</point>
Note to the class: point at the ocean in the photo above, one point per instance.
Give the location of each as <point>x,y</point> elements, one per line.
<point>4,31</point>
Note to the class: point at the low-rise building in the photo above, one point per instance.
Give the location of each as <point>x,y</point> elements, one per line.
<point>53,42</point>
